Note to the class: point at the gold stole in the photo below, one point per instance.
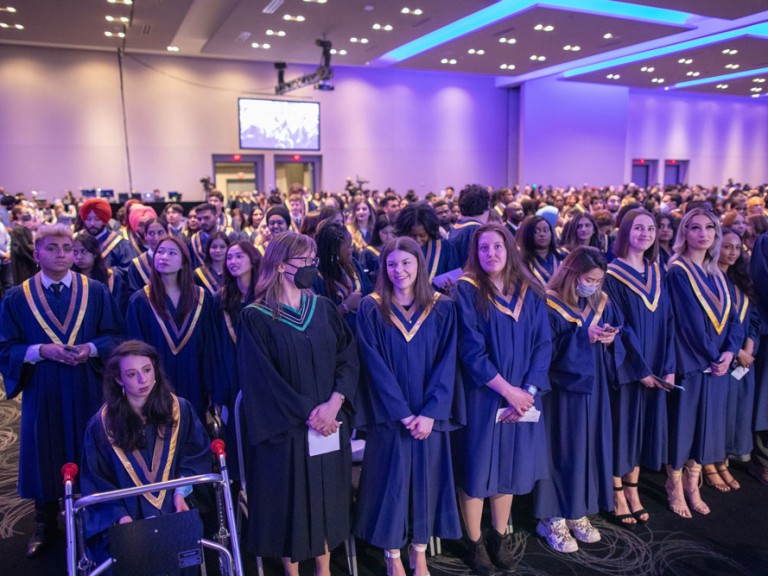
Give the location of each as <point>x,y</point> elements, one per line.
<point>109,244</point>
<point>399,314</point>
<point>43,318</point>
<point>187,327</point>
<point>577,317</point>
<point>651,300</point>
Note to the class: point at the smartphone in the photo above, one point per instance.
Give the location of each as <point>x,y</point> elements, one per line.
<point>612,329</point>
<point>71,349</point>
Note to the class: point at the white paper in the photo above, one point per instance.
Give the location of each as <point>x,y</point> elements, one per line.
<point>452,275</point>
<point>532,415</point>
<point>319,444</point>
<point>739,372</point>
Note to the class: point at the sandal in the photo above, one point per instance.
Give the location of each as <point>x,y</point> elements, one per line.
<point>642,516</point>
<point>727,477</point>
<point>691,483</point>
<point>674,488</point>
<point>713,480</point>
<point>394,564</point>
<point>621,519</point>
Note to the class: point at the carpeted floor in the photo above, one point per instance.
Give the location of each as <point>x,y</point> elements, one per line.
<point>732,540</point>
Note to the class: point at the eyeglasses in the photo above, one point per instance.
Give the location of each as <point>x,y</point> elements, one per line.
<point>308,260</point>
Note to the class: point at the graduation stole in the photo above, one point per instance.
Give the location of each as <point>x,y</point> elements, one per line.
<point>343,292</point>
<point>650,292</point>
<point>188,326</point>
<point>432,256</point>
<point>543,269</point>
<point>198,247</point>
<point>470,222</point>
<point>511,306</point>
<point>499,210</point>
<point>230,327</point>
<point>135,465</point>
<point>408,322</point>
<point>58,332</point>
<point>261,249</point>
<point>717,307</point>
<point>373,250</point>
<point>586,317</point>
<point>298,319</point>
<point>133,239</point>
<point>144,266</point>
<point>741,302</point>
<point>108,244</point>
<point>111,280</point>
<point>209,277</point>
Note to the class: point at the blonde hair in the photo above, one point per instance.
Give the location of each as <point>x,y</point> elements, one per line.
<point>58,230</point>
<point>681,243</point>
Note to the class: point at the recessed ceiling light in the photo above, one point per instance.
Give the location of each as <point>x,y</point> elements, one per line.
<point>721,86</point>
<point>415,12</point>
<point>316,1</point>
<point>476,52</point>
<point>730,51</point>
<point>685,61</point>
<point>507,66</point>
<point>280,33</point>
<point>264,46</point>
<point>755,89</point>
<point>647,69</point>
<point>109,34</point>
<point>607,35</point>
<point>755,95</point>
<point>172,48</point>
<point>758,80</point>
<point>385,27</point>
<point>289,18</point>
<point>121,19</point>
<point>8,9</point>
<point>692,73</point>
<point>504,40</point>
<point>732,66</point>
<point>544,28</point>
<point>339,52</point>
<point>613,76</point>
<point>448,61</point>
<point>657,80</point>
<point>355,40</point>
<point>124,2</point>
<point>570,48</point>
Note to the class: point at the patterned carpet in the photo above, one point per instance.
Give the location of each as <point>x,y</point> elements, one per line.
<point>732,540</point>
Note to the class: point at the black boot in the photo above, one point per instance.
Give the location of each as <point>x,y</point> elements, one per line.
<point>500,550</point>
<point>46,528</point>
<point>478,559</point>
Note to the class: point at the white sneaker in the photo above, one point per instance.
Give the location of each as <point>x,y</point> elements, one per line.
<point>555,531</point>
<point>583,530</point>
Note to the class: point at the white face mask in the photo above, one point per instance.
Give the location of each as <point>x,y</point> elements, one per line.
<point>585,291</point>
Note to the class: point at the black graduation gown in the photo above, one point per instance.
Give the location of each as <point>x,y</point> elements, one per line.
<point>287,367</point>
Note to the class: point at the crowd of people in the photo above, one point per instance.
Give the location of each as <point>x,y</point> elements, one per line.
<point>484,344</point>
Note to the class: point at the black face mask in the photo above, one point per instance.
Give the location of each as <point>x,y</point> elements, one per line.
<point>305,276</point>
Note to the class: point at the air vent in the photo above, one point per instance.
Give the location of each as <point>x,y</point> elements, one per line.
<point>242,38</point>
<point>146,30</point>
<point>272,7</point>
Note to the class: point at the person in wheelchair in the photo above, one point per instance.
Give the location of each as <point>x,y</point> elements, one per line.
<point>142,434</point>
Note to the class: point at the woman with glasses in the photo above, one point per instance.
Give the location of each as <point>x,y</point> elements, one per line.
<point>298,370</point>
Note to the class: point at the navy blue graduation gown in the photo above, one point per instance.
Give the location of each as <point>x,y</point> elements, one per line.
<point>441,257</point>
<point>360,283</point>
<point>409,369</point>
<point>181,343</point>
<point>577,412</point>
<point>705,328</point>
<point>741,393</point>
<point>543,268</point>
<point>58,400</point>
<point>369,259</point>
<point>288,367</point>
<point>116,251</point>
<point>513,340</point>
<point>139,272</point>
<point>207,278</point>
<point>640,429</point>
<point>181,451</point>
<point>461,236</point>
<point>118,288</point>
<point>758,265</point>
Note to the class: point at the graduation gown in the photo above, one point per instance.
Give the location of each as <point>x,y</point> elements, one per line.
<point>741,393</point>
<point>706,326</point>
<point>180,451</point>
<point>543,268</point>
<point>758,265</point>
<point>288,367</point>
<point>118,288</point>
<point>640,429</point>
<point>461,236</point>
<point>360,283</point>
<point>181,343</point>
<point>116,251</point>
<point>577,412</point>
<point>440,256</point>
<point>492,458</point>
<point>208,278</point>
<point>409,369</point>
<point>369,259</point>
<point>58,400</point>
<point>139,272</point>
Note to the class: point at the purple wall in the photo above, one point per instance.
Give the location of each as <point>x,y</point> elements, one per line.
<point>61,125</point>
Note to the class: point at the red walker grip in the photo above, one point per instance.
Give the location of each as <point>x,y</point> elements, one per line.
<point>69,471</point>
<point>218,447</point>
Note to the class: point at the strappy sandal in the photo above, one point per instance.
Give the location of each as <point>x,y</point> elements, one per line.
<point>393,559</point>
<point>620,519</point>
<point>725,474</point>
<point>638,514</point>
<point>691,482</point>
<point>713,480</point>
<point>674,489</point>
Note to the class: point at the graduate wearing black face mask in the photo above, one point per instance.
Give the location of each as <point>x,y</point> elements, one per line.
<point>298,370</point>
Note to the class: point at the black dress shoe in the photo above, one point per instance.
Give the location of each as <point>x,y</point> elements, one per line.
<point>43,536</point>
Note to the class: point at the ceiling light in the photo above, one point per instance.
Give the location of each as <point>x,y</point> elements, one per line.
<point>607,35</point>
<point>3,25</point>
<point>692,73</point>
<point>124,2</point>
<point>758,80</point>
<point>121,19</point>
<point>730,52</point>
<point>755,89</point>
<point>280,33</point>
<point>109,34</point>
<point>658,80</point>
<point>504,40</point>
<point>289,18</point>
<point>172,48</point>
<point>507,66</point>
<point>355,40</point>
<point>613,76</point>
<point>316,1</point>
<point>755,95</point>
<point>416,12</point>
<point>722,86</point>
<point>647,69</point>
<point>570,48</point>
<point>543,28</point>
<point>8,9</point>
<point>264,46</point>
<point>448,61</point>
<point>685,61</point>
<point>386,27</point>
<point>476,52</point>
<point>339,52</point>
<point>732,66</point>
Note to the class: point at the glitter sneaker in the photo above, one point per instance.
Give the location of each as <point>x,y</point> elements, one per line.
<point>559,538</point>
<point>583,530</point>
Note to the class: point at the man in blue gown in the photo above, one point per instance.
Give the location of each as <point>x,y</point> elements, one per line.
<point>116,251</point>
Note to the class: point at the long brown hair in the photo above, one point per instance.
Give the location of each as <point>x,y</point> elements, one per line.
<point>422,290</point>
<point>123,426</point>
<point>231,296</point>
<point>186,281</point>
<point>565,279</point>
<point>621,248</point>
<point>514,269</point>
<point>282,248</point>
